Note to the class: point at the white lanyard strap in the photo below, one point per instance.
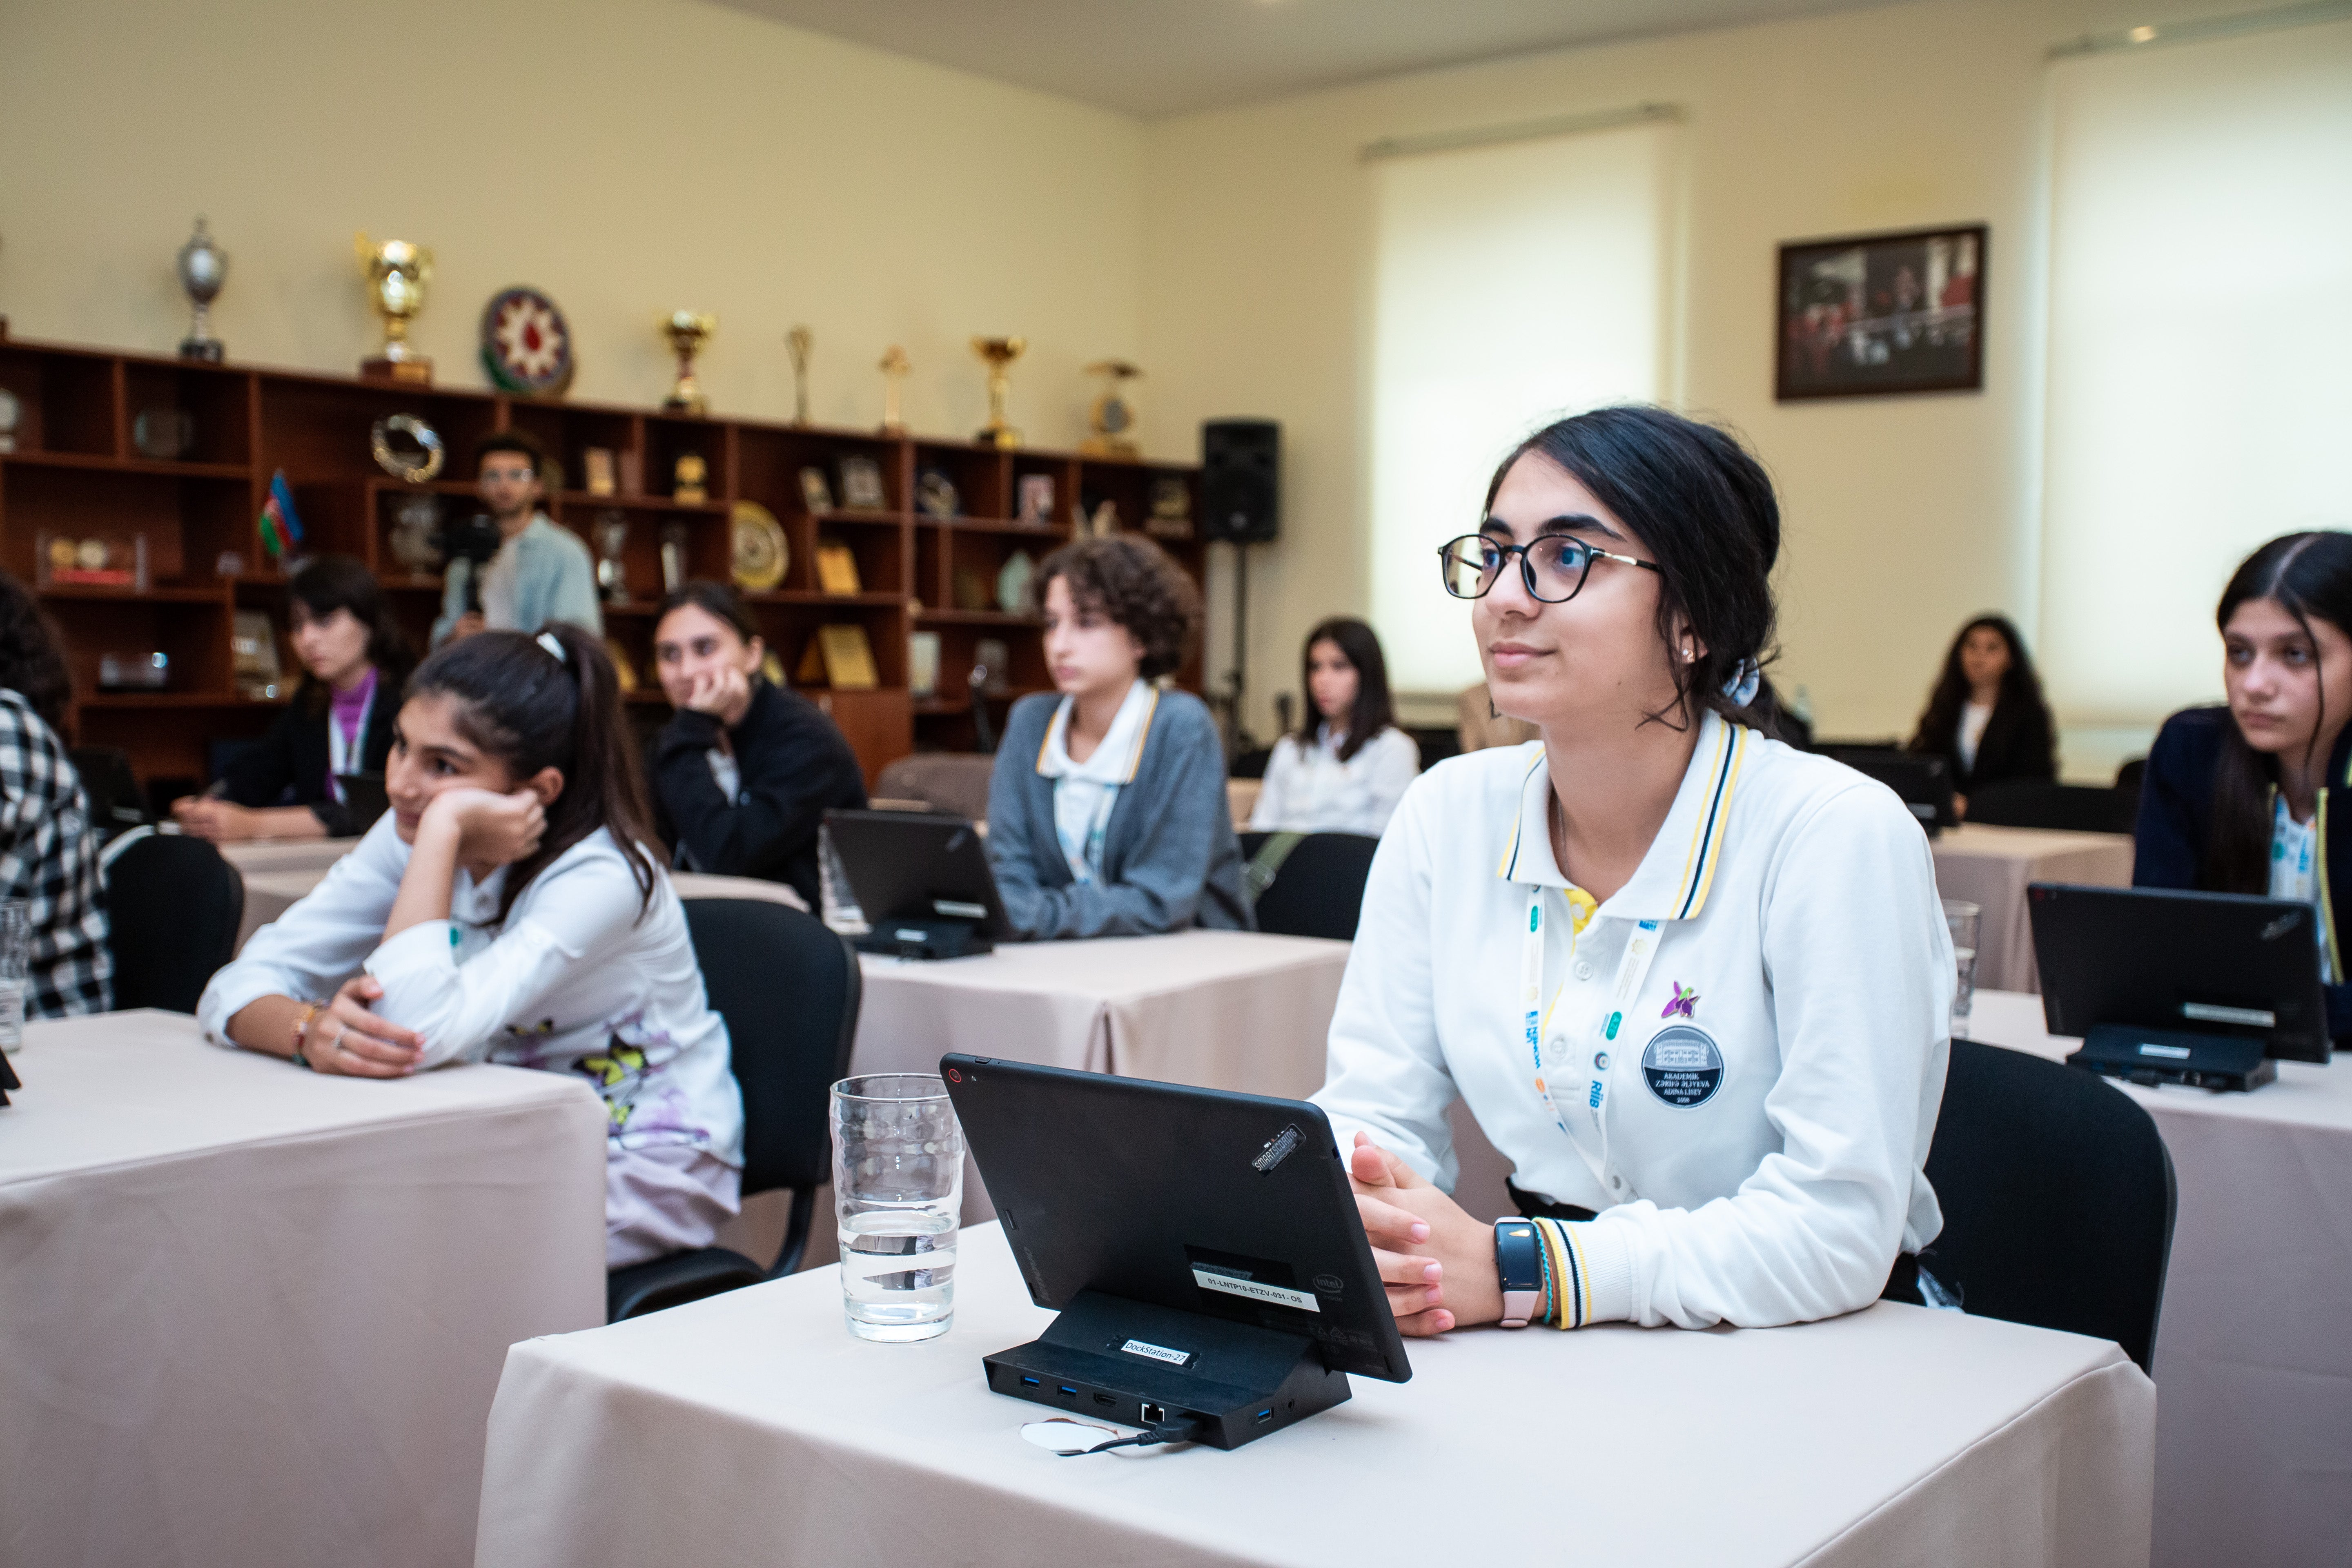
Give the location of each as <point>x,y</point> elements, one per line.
<point>339,752</point>
<point>1632,969</point>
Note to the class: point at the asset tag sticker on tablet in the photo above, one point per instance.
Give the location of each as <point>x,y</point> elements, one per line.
<point>1254,1289</point>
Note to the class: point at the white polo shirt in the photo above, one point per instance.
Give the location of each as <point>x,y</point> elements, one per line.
<point>1755,1132</point>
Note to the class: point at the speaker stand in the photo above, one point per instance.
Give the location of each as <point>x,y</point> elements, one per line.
<point>1238,738</point>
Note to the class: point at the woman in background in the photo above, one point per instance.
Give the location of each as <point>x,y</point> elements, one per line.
<point>1987,717</point>
<point>354,661</point>
<point>1347,765</point>
<point>507,909</point>
<point>2235,799</point>
<point>1107,813</point>
<point>745,771</point>
<point>48,853</point>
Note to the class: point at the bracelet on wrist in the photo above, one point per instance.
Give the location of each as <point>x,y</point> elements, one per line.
<point>302,1035</point>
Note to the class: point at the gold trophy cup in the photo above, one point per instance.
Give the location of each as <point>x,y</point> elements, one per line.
<point>687,331</point>
<point>1112,417</point>
<point>397,273</point>
<point>1000,352</point>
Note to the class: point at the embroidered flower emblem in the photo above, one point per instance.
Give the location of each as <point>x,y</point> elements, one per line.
<point>1680,1007</point>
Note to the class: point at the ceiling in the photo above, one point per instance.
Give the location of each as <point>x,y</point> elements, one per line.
<point>1152,57</point>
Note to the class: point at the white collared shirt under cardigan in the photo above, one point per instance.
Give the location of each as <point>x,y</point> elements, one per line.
<point>1799,903</point>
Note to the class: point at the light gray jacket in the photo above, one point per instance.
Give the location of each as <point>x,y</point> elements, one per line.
<point>1169,858</point>
<point>555,580</point>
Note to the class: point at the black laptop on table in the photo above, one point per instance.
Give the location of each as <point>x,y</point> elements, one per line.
<point>922,880</point>
<point>2168,986</point>
<point>1214,1280</point>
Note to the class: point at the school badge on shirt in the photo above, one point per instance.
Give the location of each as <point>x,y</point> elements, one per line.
<point>1683,1066</point>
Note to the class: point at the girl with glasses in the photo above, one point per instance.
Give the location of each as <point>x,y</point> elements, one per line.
<point>1693,984</point>
<point>2235,799</point>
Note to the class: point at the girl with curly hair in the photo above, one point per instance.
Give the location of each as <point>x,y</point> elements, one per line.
<point>1107,813</point>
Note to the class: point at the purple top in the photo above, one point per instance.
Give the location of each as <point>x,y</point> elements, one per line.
<point>345,713</point>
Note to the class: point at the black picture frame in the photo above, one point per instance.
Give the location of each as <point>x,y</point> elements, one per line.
<point>1875,315</point>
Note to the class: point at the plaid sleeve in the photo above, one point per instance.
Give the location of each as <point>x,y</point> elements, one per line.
<point>48,859</point>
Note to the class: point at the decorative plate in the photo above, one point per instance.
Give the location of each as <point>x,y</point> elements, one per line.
<point>527,343</point>
<point>761,552</point>
<point>407,447</point>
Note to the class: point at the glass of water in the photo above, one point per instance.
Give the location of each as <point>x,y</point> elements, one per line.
<point>1963,919</point>
<point>15,970</point>
<point>897,1193</point>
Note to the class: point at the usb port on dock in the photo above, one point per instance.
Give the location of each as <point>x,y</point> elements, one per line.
<point>1066,1391</point>
<point>1262,1416</point>
<point>1028,1383</point>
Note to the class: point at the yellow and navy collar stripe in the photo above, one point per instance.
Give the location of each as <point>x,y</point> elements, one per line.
<point>1134,757</point>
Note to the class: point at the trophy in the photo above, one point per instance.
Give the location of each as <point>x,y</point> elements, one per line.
<point>687,331</point>
<point>797,344</point>
<point>1112,417</point>
<point>999,352</point>
<point>203,268</point>
<point>895,368</point>
<point>612,531</point>
<point>397,272</point>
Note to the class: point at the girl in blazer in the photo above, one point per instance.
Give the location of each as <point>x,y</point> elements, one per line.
<point>1987,717</point>
<point>1106,810</point>
<point>2236,799</point>
<point>340,720</point>
<point>1694,984</point>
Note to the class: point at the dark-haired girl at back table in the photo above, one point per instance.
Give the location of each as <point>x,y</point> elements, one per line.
<point>340,720</point>
<point>1987,717</point>
<point>745,771</point>
<point>2236,799</point>
<point>507,909</point>
<point>1349,764</point>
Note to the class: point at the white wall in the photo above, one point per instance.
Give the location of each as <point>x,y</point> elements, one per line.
<point>1905,515</point>
<point>630,157</point>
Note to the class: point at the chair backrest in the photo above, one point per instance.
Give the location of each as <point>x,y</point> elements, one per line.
<point>172,907</point>
<point>953,781</point>
<point>2057,1195</point>
<point>2044,803</point>
<point>789,990</point>
<point>116,803</point>
<point>1319,890</point>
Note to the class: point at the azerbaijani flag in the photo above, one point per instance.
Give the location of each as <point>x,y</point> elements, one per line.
<point>281,525</point>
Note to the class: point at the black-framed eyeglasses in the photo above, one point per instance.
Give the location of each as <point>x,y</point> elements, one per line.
<point>1553,566</point>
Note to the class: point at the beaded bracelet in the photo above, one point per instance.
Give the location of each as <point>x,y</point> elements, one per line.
<point>302,1033</point>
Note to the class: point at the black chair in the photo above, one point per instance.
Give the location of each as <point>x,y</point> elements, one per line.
<point>2058,1198</point>
<point>116,804</point>
<point>789,990</point>
<point>172,909</point>
<point>1318,890</point>
<point>2044,803</point>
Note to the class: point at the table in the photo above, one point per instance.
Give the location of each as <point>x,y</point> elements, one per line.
<point>1223,1009</point>
<point>270,893</point>
<point>252,855</point>
<point>752,1428</point>
<point>2255,1441</point>
<point>1989,867</point>
<point>251,1315</point>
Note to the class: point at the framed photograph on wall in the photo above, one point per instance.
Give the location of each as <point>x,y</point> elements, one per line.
<point>1871,314</point>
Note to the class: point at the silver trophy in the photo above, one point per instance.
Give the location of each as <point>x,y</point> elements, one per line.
<point>611,531</point>
<point>204,267</point>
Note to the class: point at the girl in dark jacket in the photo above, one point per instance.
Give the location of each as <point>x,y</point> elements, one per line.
<point>1986,717</point>
<point>2236,799</point>
<point>354,662</point>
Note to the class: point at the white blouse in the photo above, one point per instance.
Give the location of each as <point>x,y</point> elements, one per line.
<point>1310,790</point>
<point>575,981</point>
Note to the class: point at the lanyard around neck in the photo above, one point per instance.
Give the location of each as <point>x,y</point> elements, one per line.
<point>340,751</point>
<point>1632,969</point>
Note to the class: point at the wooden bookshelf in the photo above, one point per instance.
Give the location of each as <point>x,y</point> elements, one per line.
<point>75,471</point>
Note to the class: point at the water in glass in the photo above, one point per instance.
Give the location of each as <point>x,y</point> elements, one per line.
<point>897,1184</point>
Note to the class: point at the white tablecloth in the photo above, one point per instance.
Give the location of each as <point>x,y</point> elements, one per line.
<point>1991,866</point>
<point>257,854</point>
<point>252,1317</point>
<point>752,1428</point>
<point>2254,1442</point>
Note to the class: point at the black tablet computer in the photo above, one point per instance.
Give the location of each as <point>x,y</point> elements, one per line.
<point>364,794</point>
<point>922,880</point>
<point>1924,782</point>
<point>2165,986</point>
<point>1203,1247</point>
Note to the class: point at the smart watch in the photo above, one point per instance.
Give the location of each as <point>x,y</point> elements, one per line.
<point>1520,1267</point>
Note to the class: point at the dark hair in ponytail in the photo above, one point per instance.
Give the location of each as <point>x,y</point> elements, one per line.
<point>2306,575</point>
<point>530,708</point>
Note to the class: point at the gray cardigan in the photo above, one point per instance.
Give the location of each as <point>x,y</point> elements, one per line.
<point>1169,856</point>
